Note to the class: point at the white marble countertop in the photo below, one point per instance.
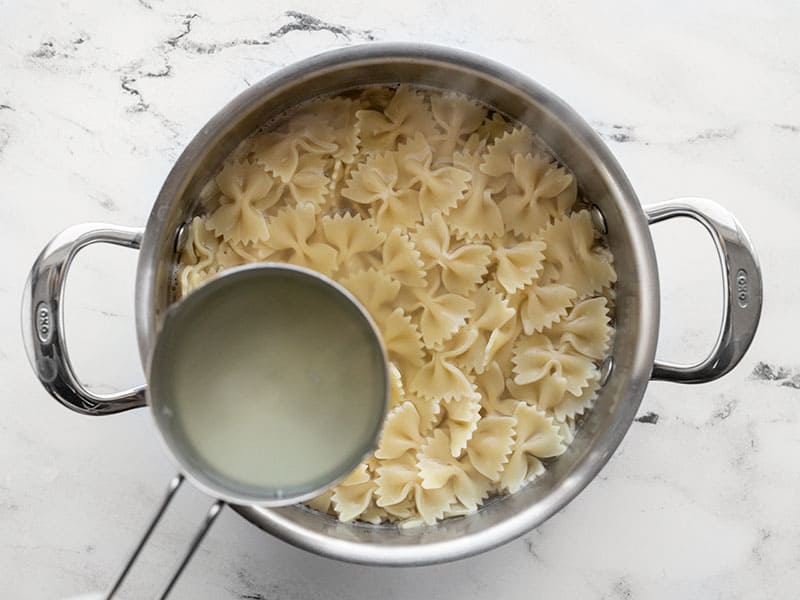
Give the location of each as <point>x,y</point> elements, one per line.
<point>700,501</point>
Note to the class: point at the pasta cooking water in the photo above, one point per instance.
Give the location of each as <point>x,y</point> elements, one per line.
<point>469,246</point>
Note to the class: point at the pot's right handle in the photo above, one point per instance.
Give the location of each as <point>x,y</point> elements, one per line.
<point>43,319</point>
<point>742,294</point>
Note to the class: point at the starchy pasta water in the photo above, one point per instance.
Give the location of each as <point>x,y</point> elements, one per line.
<point>470,247</point>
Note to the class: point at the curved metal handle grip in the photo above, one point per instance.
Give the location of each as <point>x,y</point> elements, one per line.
<point>742,294</point>
<point>43,319</point>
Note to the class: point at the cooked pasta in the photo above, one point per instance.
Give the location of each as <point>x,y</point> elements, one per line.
<point>469,246</point>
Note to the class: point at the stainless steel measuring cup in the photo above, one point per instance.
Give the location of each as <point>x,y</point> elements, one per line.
<point>249,372</point>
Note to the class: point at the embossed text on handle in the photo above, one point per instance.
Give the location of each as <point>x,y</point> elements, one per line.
<point>742,289</point>
<point>44,328</point>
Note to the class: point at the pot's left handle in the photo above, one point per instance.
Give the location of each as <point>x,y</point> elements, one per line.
<point>43,319</point>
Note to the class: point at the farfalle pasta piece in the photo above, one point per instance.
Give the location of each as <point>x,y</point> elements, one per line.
<point>500,346</point>
<point>540,185</point>
<point>491,385</point>
<point>278,153</point>
<point>352,237</point>
<point>567,430</point>
<point>439,378</point>
<point>401,337</point>
<point>375,97</point>
<point>477,215</point>
<point>406,114</point>
<point>323,502</point>
<point>457,116</point>
<point>490,445</point>
<point>200,246</point>
<point>440,188</point>
<point>574,405</point>
<point>467,348</point>
<point>374,514</point>
<point>191,278</point>
<point>568,406</point>
<point>441,314</point>
<point>401,260</point>
<point>375,290</point>
<point>400,211</point>
<point>537,437</point>
<point>336,117</point>
<point>485,325</point>
<point>309,182</point>
<point>235,253</point>
<point>247,192</point>
<point>397,393</point>
<point>325,127</point>
<point>493,127</point>
<point>374,180</point>
<point>463,415</point>
<point>430,412</point>
<point>554,370</point>
<point>458,510</point>
<point>290,232</point>
<point>401,432</point>
<point>549,273</point>
<point>440,470</point>
<point>570,248</point>
<point>339,175</point>
<point>198,256</point>
<point>399,489</point>
<point>543,305</point>
<point>462,267</point>
<point>499,158</point>
<point>585,328</point>
<point>227,256</point>
<point>518,265</point>
<point>353,495</point>
<point>374,183</point>
<point>406,509</point>
<point>528,393</point>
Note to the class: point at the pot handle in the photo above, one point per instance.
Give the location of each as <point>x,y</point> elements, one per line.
<point>43,319</point>
<point>742,298</point>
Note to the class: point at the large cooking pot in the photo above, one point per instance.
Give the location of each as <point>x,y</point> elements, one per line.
<point>602,181</point>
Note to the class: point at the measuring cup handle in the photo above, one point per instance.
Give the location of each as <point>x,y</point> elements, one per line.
<point>213,512</point>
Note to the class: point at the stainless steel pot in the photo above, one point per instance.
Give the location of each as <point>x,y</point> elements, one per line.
<point>602,181</point>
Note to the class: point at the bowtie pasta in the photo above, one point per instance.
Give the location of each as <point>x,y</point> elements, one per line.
<point>467,243</point>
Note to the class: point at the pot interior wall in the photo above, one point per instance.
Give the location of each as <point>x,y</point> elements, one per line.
<point>601,182</point>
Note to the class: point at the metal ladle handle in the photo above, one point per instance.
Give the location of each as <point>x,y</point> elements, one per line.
<point>213,513</point>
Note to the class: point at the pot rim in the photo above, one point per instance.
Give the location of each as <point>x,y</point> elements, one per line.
<point>275,521</point>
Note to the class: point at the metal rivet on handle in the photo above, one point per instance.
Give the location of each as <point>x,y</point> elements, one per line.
<point>180,238</point>
<point>598,219</point>
<point>605,370</point>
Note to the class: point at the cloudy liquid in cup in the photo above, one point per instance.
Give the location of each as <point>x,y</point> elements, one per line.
<point>268,385</point>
